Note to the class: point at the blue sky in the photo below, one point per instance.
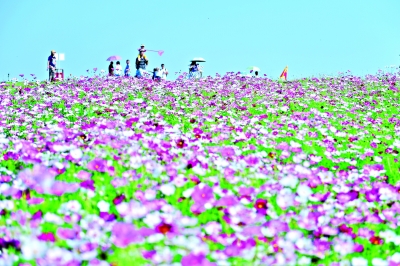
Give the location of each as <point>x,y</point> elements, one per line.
<point>312,37</point>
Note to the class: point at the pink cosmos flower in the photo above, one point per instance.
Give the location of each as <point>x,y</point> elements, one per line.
<point>97,164</point>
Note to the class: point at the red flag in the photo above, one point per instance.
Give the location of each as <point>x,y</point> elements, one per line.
<point>284,73</point>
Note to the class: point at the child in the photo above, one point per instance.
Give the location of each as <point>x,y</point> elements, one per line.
<point>142,48</point>
<point>118,69</point>
<point>156,75</point>
<point>127,69</point>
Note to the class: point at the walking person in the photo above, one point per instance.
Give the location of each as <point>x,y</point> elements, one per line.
<point>51,65</point>
<point>111,69</point>
<point>118,69</point>
<point>163,72</point>
<point>127,69</point>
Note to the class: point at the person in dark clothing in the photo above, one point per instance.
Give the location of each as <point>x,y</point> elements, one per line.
<point>51,65</point>
<point>111,69</point>
<point>141,61</point>
<point>156,74</point>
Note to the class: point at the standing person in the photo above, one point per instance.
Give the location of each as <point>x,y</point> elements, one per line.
<point>256,73</point>
<point>163,72</point>
<point>51,65</point>
<point>127,69</point>
<point>118,69</point>
<point>141,62</point>
<point>111,69</point>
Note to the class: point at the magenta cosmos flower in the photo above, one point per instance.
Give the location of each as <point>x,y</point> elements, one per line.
<point>97,164</point>
<point>261,206</point>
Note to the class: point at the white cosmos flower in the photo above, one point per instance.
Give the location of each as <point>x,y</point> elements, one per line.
<point>304,191</point>
<point>379,262</point>
<point>150,194</point>
<point>33,249</point>
<point>103,206</point>
<point>395,257</point>
<point>152,219</point>
<point>76,154</point>
<point>188,192</point>
<point>359,262</point>
<point>289,181</point>
<point>167,189</point>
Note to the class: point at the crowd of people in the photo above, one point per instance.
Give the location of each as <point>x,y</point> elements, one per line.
<point>141,63</point>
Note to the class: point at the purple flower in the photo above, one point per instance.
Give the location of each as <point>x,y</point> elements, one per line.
<point>343,197</point>
<point>97,164</point>
<point>372,195</point>
<point>83,175</point>
<point>118,199</point>
<point>39,178</point>
<point>88,184</point>
<point>228,173</point>
<point>227,201</point>
<point>67,233</point>
<point>165,228</point>
<point>283,146</point>
<point>119,182</point>
<point>202,194</point>
<point>148,254</point>
<point>108,217</point>
<point>196,260</point>
<point>251,160</point>
<point>48,237</point>
<point>10,156</point>
<point>261,206</point>
<point>123,234</point>
<point>197,131</point>
<point>321,245</point>
<point>358,248</point>
<point>364,232</point>
<point>37,215</point>
<point>227,152</point>
<point>374,219</point>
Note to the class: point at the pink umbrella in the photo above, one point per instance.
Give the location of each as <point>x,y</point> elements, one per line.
<point>114,58</point>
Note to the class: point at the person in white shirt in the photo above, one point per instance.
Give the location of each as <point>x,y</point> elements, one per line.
<point>163,72</point>
<point>118,69</point>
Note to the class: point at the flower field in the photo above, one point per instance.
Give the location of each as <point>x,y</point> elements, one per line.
<point>228,170</point>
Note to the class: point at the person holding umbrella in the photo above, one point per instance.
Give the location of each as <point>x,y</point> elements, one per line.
<point>111,66</point>
<point>111,69</point>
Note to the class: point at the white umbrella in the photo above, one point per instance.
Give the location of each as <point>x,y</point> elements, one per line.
<point>198,59</point>
<point>254,68</point>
